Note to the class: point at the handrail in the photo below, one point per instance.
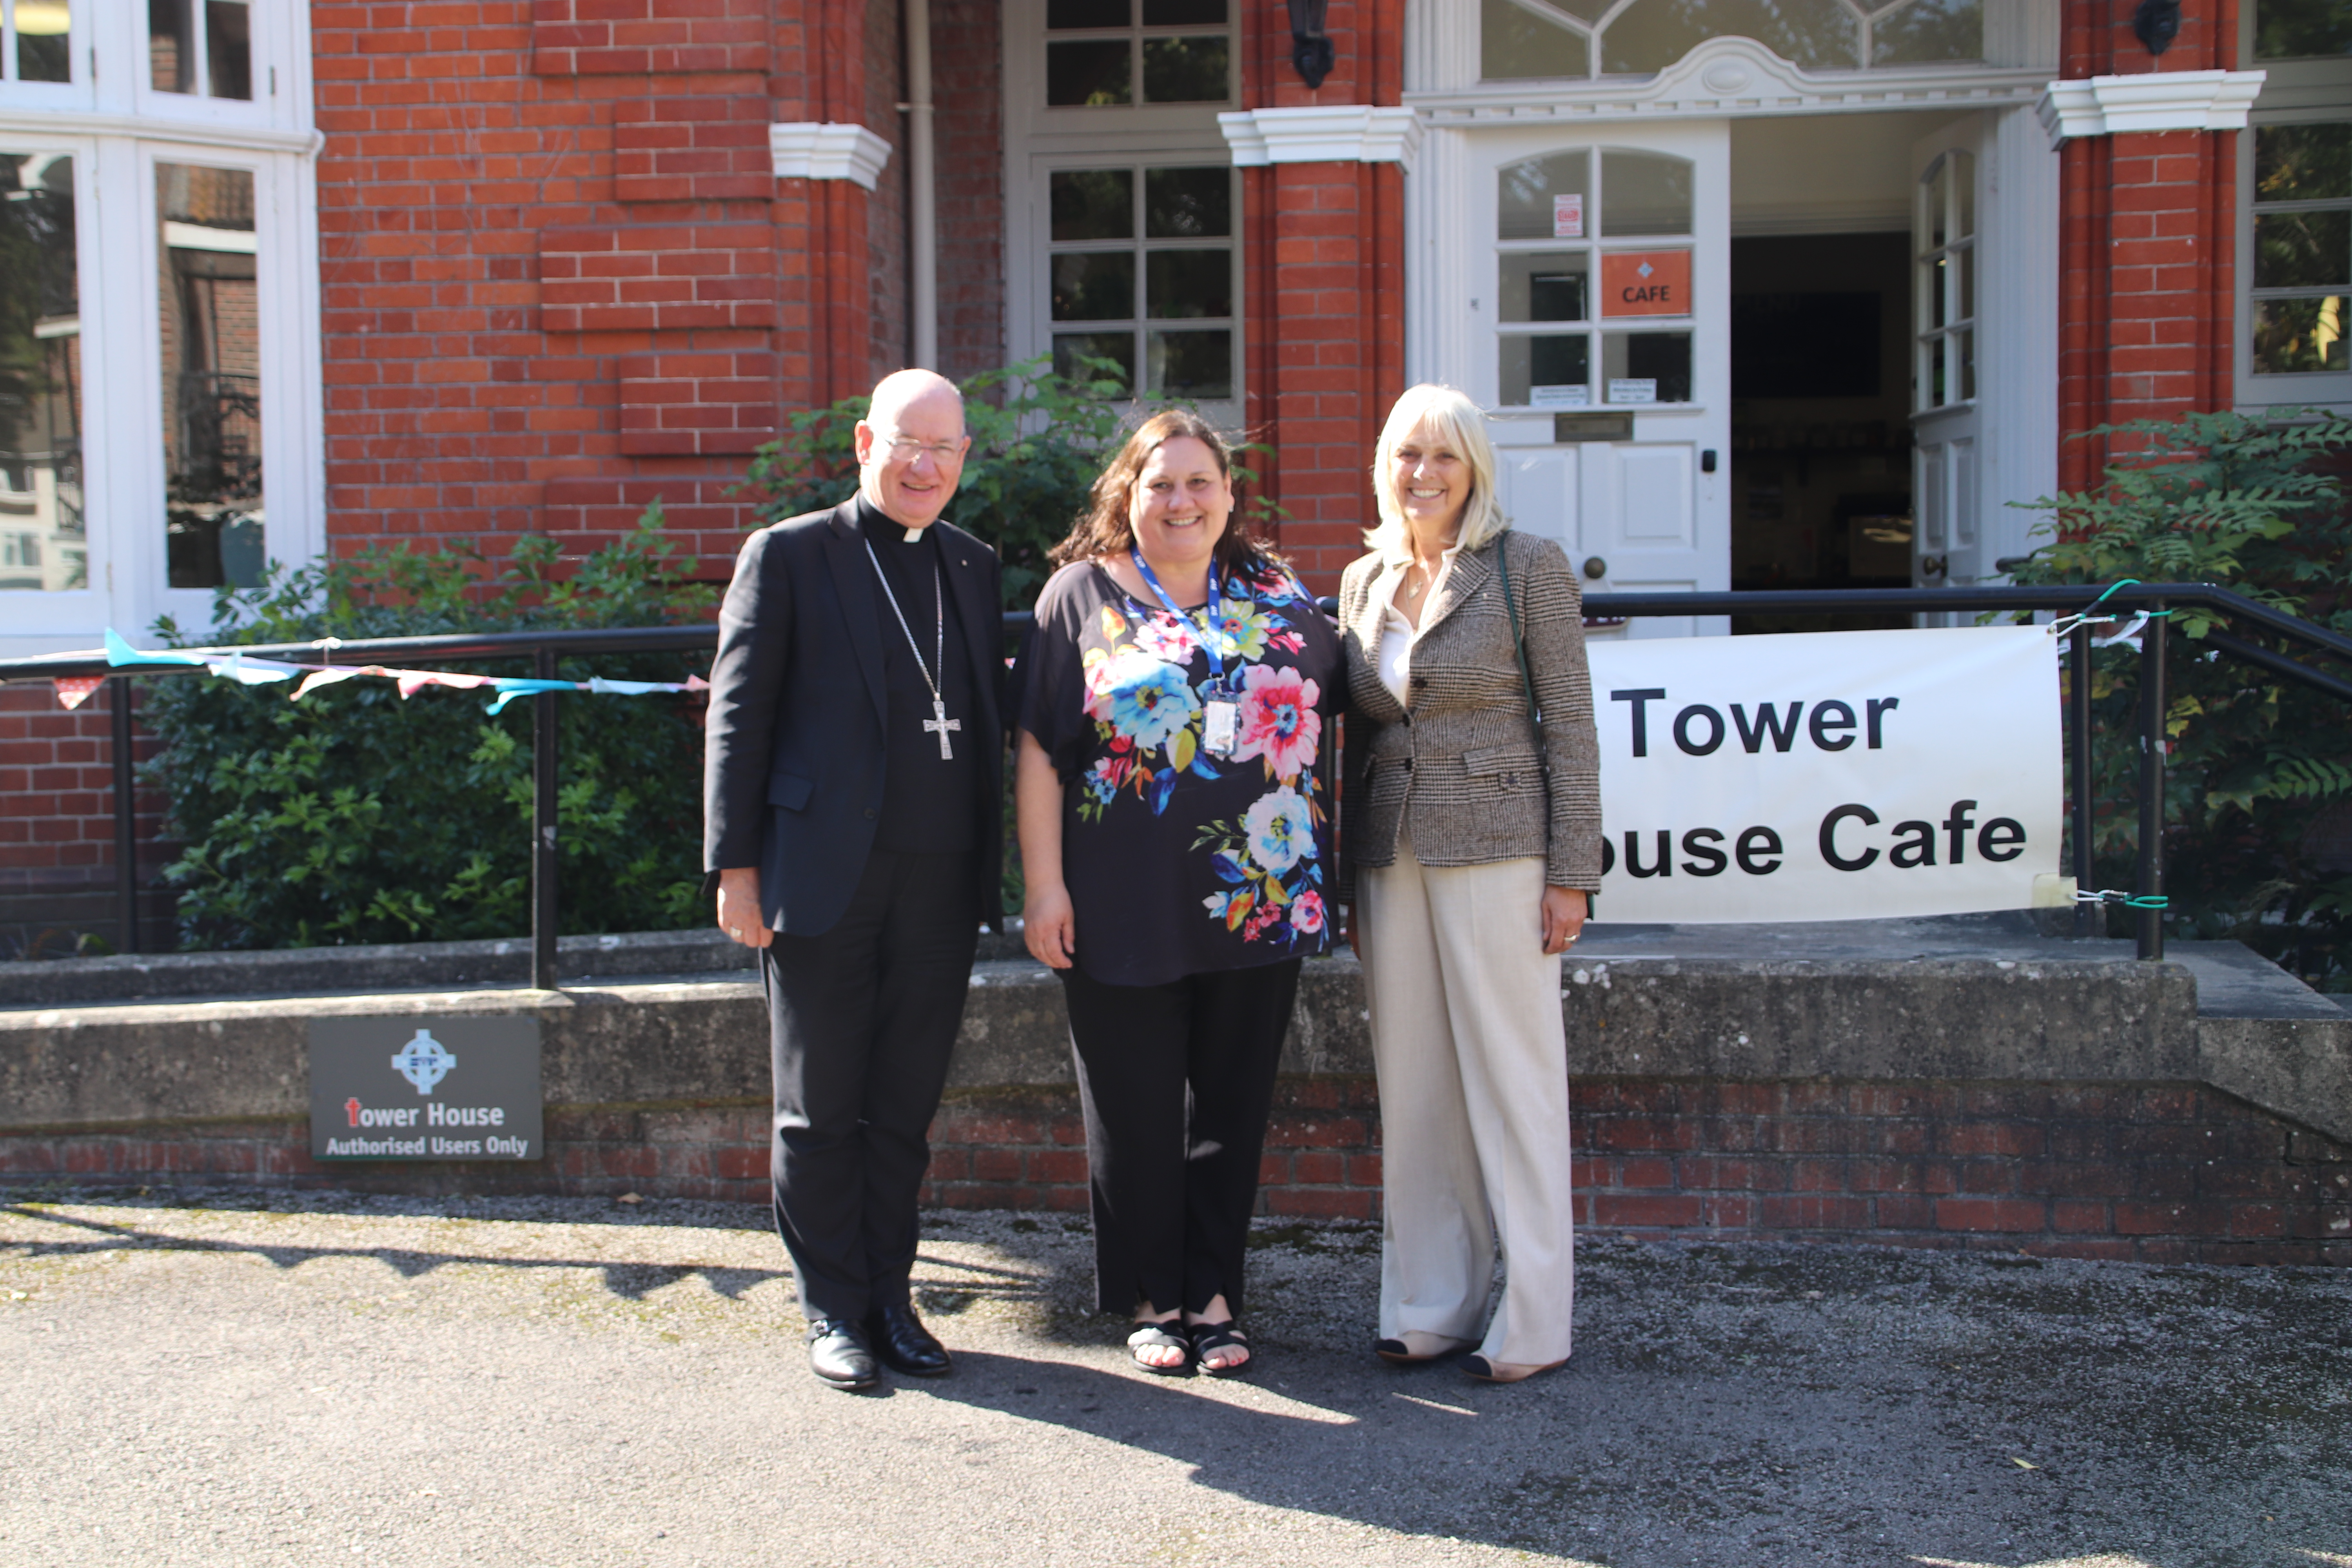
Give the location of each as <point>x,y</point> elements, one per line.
<point>2059,597</point>
<point>1738,602</point>
<point>544,648</point>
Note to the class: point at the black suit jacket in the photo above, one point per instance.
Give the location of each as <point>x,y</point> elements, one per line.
<point>793,758</point>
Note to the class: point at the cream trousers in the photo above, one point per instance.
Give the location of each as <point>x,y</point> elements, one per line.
<point>1473,1062</point>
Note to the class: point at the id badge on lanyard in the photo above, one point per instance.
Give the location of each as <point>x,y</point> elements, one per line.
<point>1220,717</point>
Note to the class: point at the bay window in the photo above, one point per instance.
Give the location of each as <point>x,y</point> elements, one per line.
<point>158,311</point>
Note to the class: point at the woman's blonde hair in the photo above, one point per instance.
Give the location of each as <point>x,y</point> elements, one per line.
<point>1453,421</point>
<point>1103,529</point>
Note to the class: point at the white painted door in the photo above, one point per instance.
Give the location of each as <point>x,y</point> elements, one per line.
<point>1947,297</point>
<point>1586,281</point>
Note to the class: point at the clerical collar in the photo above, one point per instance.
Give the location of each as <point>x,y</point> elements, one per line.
<point>883,528</point>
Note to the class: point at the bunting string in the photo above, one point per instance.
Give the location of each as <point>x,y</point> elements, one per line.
<point>250,671</point>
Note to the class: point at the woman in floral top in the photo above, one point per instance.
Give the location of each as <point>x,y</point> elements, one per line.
<point>1175,838</point>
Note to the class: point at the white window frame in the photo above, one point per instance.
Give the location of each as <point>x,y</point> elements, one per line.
<point>271,74</point>
<point>118,130</point>
<point>41,612</point>
<point>1039,140</point>
<point>2294,92</point>
<point>1926,281</point>
<point>68,94</point>
<point>1596,328</point>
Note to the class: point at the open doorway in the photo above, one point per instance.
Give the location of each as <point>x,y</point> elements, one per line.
<point>1821,428</point>
<point>1820,360</point>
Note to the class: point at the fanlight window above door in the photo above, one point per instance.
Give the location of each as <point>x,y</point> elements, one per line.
<point>1523,41</point>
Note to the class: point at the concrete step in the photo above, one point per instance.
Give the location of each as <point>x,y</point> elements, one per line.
<point>391,966</point>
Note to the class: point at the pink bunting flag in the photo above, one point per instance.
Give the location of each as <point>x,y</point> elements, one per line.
<point>330,675</point>
<point>413,681</point>
<point>73,690</point>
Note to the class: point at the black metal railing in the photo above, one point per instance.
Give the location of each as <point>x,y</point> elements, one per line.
<point>545,648</point>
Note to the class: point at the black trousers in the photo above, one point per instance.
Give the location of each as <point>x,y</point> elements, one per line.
<point>1177,1081</point>
<point>862,1020</point>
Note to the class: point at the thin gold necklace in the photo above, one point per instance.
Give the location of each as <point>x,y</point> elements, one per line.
<point>1429,574</point>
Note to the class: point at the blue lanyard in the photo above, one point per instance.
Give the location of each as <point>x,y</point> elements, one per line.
<point>1210,635</point>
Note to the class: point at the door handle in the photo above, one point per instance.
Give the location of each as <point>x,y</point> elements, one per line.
<point>1595,567</point>
<point>1932,565</point>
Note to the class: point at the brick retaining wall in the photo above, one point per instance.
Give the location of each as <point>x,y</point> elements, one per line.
<point>2151,1173</point>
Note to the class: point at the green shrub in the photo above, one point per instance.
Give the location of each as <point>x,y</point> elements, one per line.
<point>2259,770</point>
<point>353,816</point>
<point>356,817</point>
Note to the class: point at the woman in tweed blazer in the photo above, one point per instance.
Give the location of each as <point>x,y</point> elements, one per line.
<point>1470,871</point>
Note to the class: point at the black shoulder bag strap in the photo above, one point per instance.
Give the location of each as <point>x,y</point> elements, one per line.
<point>1520,647</point>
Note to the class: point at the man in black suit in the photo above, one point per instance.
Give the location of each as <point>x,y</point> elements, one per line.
<point>852,786</point>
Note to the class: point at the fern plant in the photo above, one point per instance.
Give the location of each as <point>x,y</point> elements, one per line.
<point>2259,771</point>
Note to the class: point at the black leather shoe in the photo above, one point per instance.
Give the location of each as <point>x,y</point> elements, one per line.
<point>840,1356</point>
<point>903,1344</point>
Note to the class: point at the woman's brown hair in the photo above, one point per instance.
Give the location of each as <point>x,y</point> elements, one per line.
<point>1103,529</point>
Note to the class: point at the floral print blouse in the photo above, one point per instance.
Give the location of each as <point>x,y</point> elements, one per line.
<point>1178,862</point>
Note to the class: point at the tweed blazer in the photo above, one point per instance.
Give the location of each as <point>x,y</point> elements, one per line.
<point>1459,762</point>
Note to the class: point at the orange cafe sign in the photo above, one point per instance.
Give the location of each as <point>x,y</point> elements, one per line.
<point>1645,283</point>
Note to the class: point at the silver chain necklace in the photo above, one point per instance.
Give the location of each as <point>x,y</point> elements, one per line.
<point>938,721</point>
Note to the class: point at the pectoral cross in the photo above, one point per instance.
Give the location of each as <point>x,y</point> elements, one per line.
<point>939,721</point>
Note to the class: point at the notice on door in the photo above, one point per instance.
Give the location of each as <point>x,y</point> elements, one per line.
<point>1568,217</point>
<point>424,1088</point>
<point>1645,283</point>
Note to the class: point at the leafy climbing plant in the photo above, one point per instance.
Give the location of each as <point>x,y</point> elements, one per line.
<point>2259,781</point>
<point>354,816</point>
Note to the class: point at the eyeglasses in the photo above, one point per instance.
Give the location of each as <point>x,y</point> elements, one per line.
<point>906,449</point>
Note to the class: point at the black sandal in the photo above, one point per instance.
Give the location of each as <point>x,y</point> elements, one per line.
<point>1160,1336</point>
<point>1227,1335</point>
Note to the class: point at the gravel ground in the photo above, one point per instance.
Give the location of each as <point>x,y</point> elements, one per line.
<point>215,1378</point>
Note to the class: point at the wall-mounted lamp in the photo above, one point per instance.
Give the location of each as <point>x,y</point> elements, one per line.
<point>1310,45</point>
<point>2155,24</point>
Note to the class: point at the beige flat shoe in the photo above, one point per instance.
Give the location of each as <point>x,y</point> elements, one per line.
<point>1481,1370</point>
<point>1417,1346</point>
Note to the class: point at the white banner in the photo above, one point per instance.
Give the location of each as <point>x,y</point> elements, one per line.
<point>1828,776</point>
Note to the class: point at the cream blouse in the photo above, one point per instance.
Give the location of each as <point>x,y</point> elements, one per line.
<point>1393,660</point>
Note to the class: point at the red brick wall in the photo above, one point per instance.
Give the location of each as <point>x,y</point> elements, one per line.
<point>967,117</point>
<point>883,84</point>
<point>1326,345</point>
<point>1324,286</point>
<point>2149,1172</point>
<point>2146,242</point>
<point>558,279</point>
<point>57,832</point>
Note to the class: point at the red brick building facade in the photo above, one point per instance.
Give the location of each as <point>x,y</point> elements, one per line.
<point>528,265</point>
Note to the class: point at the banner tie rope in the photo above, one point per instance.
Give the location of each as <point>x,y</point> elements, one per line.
<point>2129,900</point>
<point>2065,624</point>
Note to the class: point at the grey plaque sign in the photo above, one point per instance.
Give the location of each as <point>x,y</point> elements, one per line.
<point>420,1088</point>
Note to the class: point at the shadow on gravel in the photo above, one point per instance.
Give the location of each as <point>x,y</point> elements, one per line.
<point>630,1280</point>
<point>1761,1407</point>
<point>1307,1453</point>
